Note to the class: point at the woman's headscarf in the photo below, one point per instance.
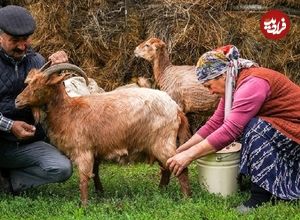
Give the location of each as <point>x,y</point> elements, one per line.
<point>222,60</point>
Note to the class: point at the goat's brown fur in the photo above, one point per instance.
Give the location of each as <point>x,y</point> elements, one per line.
<point>119,125</point>
<point>180,82</point>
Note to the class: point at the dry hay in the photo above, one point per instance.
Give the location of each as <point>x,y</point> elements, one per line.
<point>100,35</point>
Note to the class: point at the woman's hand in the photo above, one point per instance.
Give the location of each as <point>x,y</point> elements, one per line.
<point>179,162</point>
<point>58,57</point>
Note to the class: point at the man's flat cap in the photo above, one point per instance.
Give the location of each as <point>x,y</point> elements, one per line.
<point>16,21</point>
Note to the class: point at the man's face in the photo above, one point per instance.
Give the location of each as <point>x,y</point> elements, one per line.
<point>15,47</point>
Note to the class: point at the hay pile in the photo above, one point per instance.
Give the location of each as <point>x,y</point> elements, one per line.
<point>100,35</point>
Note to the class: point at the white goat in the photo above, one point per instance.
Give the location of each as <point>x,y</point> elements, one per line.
<point>114,125</point>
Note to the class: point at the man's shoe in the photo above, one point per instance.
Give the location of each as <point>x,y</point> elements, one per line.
<point>5,185</point>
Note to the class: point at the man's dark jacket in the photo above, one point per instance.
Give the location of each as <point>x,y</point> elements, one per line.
<point>12,76</point>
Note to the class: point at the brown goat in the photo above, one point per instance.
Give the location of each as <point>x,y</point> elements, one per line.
<point>120,125</point>
<point>180,82</point>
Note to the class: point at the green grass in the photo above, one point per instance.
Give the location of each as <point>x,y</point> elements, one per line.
<point>131,192</point>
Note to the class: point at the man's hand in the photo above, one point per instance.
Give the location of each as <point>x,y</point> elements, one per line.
<point>58,57</point>
<point>22,130</point>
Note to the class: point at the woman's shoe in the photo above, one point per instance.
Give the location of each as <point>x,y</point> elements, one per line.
<point>243,209</point>
<point>259,196</point>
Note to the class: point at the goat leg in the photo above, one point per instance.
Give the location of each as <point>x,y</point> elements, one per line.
<point>184,183</point>
<point>85,169</point>
<point>165,177</point>
<point>84,179</point>
<point>97,183</point>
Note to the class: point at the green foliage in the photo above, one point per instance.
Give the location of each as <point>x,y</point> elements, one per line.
<point>131,192</point>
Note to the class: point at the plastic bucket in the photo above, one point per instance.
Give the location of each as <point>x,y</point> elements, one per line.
<point>218,172</point>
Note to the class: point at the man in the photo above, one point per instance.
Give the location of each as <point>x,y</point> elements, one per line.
<point>25,155</point>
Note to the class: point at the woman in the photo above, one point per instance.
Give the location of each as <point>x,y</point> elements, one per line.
<point>261,108</point>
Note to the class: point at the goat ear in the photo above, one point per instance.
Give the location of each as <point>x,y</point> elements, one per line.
<point>31,75</point>
<point>160,45</point>
<point>55,78</point>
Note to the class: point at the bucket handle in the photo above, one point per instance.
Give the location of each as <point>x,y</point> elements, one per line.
<point>220,158</point>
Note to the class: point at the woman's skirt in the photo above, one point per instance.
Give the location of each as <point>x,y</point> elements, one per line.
<point>271,160</point>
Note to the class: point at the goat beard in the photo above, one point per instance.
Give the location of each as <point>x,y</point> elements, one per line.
<point>38,114</point>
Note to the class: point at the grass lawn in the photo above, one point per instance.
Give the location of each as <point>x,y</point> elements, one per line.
<point>131,192</point>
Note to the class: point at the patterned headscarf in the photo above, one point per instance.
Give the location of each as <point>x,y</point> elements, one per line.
<point>216,62</point>
<point>227,60</point>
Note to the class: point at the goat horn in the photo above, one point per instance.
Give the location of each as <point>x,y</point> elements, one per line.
<point>46,65</point>
<point>66,66</point>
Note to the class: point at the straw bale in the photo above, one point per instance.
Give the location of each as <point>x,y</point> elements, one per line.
<point>100,35</point>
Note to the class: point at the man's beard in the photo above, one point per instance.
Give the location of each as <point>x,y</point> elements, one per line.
<point>18,54</point>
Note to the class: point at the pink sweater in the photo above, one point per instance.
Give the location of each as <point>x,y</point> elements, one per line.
<point>248,98</point>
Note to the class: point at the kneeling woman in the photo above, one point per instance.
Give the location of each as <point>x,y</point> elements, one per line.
<point>259,107</point>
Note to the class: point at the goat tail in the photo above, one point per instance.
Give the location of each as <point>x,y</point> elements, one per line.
<point>184,132</point>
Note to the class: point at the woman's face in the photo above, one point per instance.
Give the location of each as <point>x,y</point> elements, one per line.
<point>216,85</point>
